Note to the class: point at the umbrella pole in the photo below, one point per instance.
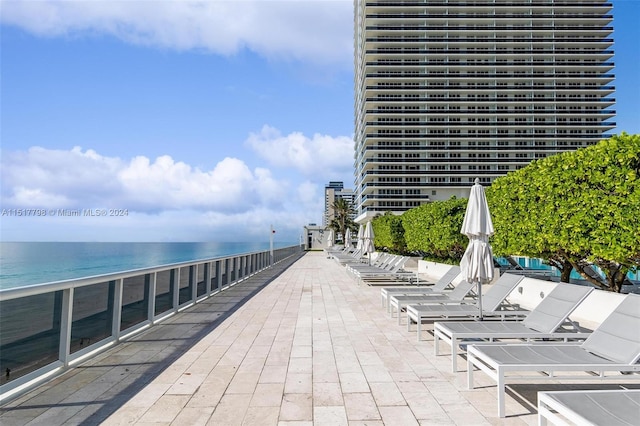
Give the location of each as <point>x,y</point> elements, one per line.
<point>479,286</point>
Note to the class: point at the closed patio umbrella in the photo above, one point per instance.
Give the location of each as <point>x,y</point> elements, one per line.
<point>360,237</point>
<point>347,238</point>
<point>477,261</point>
<point>330,238</point>
<point>367,242</point>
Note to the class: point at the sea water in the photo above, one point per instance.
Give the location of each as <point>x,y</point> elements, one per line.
<point>27,263</point>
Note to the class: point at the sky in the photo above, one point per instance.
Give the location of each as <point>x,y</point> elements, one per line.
<point>189,121</point>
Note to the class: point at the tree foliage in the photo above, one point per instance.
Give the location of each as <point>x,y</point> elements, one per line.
<point>433,229</point>
<point>574,209</point>
<point>342,221</point>
<point>389,232</point>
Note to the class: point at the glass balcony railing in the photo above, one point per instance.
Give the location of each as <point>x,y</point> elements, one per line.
<point>48,327</point>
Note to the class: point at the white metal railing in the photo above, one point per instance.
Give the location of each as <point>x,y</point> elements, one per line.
<point>47,328</point>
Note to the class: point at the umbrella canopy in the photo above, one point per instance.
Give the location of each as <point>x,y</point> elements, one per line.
<point>347,238</point>
<point>477,261</point>
<point>360,237</point>
<point>330,238</point>
<point>367,242</point>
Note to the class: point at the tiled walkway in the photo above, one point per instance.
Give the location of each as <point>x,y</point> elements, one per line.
<point>311,347</point>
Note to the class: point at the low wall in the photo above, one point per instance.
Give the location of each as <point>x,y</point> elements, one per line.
<point>590,313</point>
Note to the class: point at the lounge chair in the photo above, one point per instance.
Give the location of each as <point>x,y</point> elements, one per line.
<point>617,407</point>
<point>384,263</point>
<point>493,302</point>
<point>382,276</point>
<point>456,296</point>
<point>438,287</point>
<point>348,256</point>
<point>542,322</point>
<point>614,346</point>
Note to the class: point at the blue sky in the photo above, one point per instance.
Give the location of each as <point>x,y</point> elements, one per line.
<point>206,121</point>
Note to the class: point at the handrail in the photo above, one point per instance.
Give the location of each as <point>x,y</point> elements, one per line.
<point>47,328</point>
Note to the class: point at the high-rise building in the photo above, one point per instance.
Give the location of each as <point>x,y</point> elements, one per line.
<point>332,192</point>
<point>447,91</point>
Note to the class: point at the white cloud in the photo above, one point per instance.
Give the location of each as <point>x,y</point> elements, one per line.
<point>319,155</point>
<point>314,31</point>
<point>168,200</point>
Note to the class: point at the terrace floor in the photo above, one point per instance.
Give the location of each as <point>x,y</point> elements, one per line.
<point>309,347</point>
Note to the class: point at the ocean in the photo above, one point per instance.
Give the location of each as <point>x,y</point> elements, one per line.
<point>28,263</point>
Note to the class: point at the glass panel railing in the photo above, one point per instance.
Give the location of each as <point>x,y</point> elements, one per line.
<point>92,318</point>
<point>225,272</point>
<point>30,336</point>
<point>215,273</point>
<point>135,300</point>
<point>200,280</point>
<point>185,287</point>
<point>164,292</point>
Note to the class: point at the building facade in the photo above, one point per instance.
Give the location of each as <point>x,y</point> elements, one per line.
<point>447,91</point>
<point>332,192</point>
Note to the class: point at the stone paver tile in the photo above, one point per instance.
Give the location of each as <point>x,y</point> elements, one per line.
<point>263,416</point>
<point>193,416</point>
<point>298,383</point>
<point>327,394</point>
<point>330,416</point>
<point>297,406</point>
<point>267,395</point>
<point>295,423</point>
<point>361,406</point>
<point>301,351</point>
<point>366,423</point>
<point>187,384</point>
<point>210,392</point>
<point>387,394</point>
<point>149,395</point>
<point>252,365</point>
<point>231,410</point>
<point>398,416</point>
<point>369,358</point>
<point>374,373</point>
<point>353,383</point>
<point>410,388</point>
<point>425,406</point>
<point>300,365</point>
<point>273,374</point>
<point>462,412</point>
<point>243,383</point>
<point>124,416</point>
<point>165,409</point>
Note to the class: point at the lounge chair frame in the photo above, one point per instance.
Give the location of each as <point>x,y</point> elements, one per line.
<point>494,300</point>
<point>439,286</point>
<point>543,322</point>
<point>613,407</point>
<point>613,347</point>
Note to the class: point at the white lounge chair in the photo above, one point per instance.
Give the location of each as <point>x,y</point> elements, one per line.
<point>456,296</point>
<point>438,287</point>
<point>542,322</point>
<point>617,407</point>
<point>614,346</point>
<point>393,270</point>
<point>493,301</point>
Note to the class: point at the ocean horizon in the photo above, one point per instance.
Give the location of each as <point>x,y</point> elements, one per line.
<point>30,263</point>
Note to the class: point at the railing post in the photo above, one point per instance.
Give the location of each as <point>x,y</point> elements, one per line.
<point>151,306</point>
<point>207,278</point>
<point>66,320</point>
<point>218,275</point>
<point>176,288</point>
<point>193,282</point>
<point>117,309</point>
